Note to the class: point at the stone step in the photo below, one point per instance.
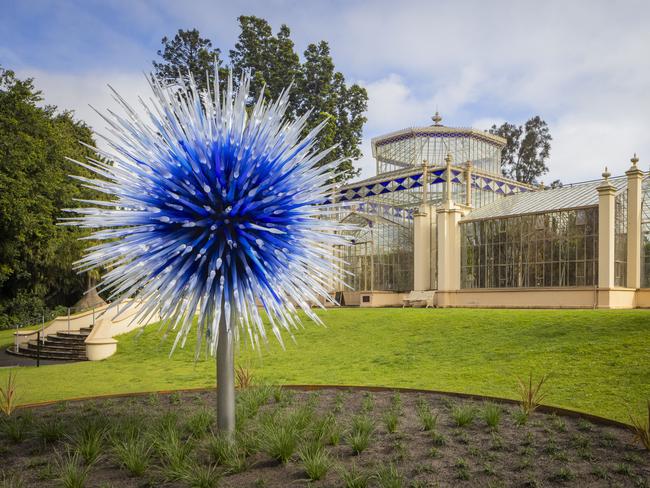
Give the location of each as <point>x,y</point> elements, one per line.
<point>56,346</point>
<point>73,334</point>
<point>66,339</point>
<point>23,351</point>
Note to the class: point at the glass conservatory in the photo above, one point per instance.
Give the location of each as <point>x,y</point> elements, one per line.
<point>440,221</point>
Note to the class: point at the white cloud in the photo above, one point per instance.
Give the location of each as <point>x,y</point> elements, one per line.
<point>582,66</point>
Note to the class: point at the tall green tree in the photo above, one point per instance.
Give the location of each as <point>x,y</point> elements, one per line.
<point>36,254</point>
<point>187,53</point>
<point>527,149</point>
<point>317,87</point>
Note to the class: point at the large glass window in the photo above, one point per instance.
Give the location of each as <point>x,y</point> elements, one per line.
<point>538,250</point>
<point>620,239</point>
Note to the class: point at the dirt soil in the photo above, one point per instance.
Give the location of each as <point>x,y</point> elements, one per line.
<point>546,450</point>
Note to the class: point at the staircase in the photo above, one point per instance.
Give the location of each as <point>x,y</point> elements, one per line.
<point>60,346</point>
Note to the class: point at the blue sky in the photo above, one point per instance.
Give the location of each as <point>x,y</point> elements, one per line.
<point>584,66</point>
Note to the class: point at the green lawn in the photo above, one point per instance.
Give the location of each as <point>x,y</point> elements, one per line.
<point>599,361</point>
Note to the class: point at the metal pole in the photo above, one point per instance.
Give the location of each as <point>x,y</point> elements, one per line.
<point>68,319</point>
<point>43,327</point>
<point>93,316</point>
<point>16,339</point>
<point>38,349</point>
<point>225,379</point>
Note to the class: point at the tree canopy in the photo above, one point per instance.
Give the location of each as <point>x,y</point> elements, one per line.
<point>274,65</point>
<point>36,254</point>
<point>527,149</point>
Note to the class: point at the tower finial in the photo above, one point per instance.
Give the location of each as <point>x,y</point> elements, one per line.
<point>634,160</point>
<point>436,119</point>
<point>606,174</point>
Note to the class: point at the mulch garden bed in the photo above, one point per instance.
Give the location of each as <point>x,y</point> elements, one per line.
<point>344,437</point>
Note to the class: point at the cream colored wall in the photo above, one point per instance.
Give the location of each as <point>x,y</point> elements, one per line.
<point>382,299</point>
<point>100,344</point>
<point>351,297</point>
<point>61,324</point>
<point>643,298</point>
<point>578,297</point>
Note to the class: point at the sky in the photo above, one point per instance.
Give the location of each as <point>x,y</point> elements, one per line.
<point>582,65</point>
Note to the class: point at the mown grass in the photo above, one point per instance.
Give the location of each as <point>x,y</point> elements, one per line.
<point>597,360</point>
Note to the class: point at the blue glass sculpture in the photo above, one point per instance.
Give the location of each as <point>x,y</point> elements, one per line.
<point>218,210</point>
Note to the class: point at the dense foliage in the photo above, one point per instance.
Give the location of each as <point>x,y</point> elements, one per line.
<point>274,65</point>
<point>527,149</point>
<point>36,255</point>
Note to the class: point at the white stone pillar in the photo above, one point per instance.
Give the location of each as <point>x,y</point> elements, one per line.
<point>634,202</point>
<point>606,216</point>
<point>422,248</point>
<point>448,218</point>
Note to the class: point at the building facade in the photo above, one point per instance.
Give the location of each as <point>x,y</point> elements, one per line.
<point>440,216</point>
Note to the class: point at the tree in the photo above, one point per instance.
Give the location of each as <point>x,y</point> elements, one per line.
<point>527,149</point>
<point>274,64</point>
<point>187,53</point>
<point>36,254</point>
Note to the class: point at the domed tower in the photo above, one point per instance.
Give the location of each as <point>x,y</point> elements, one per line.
<point>417,168</point>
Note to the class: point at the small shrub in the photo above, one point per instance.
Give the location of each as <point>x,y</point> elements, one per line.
<point>198,475</point>
<point>462,469</point>
<point>301,417</point>
<point>16,427</point>
<point>600,472</point>
<point>368,402</point>
<point>585,425</point>
<point>497,442</point>
<point>153,400</point>
<point>564,474</point>
<point>50,430</point>
<point>279,440</point>
<point>531,394</point>
<point>89,441</point>
<point>338,402</point>
<point>623,469</point>
<point>396,402</point>
<point>175,398</point>
<point>360,432</point>
<point>463,415</point>
<point>199,423</point>
<point>427,419</point>
<point>13,480</point>
<point>641,429</point>
<point>390,419</point>
<point>133,454</point>
<point>71,472</point>
<point>323,430</point>
<point>354,477</point>
<point>359,441</point>
<point>438,439</point>
<point>227,453</point>
<point>520,417</point>
<point>389,477</point>
<point>9,395</point>
<point>315,460</point>
<point>492,415</point>
<point>243,377</point>
<point>173,451</point>
<point>558,423</point>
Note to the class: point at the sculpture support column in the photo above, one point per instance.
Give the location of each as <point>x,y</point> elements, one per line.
<point>225,378</point>
<point>422,248</point>
<point>606,234</point>
<point>634,202</point>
